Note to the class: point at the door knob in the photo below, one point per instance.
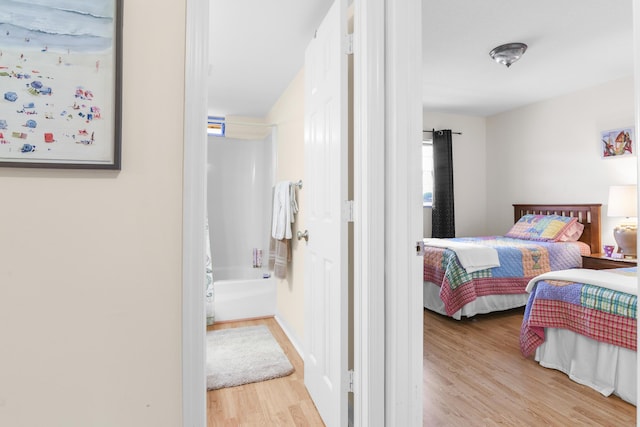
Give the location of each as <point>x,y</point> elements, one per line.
<point>302,235</point>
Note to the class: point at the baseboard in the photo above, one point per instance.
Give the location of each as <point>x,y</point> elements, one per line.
<point>288,331</point>
<point>248,319</point>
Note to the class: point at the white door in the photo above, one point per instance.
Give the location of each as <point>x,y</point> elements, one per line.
<point>325,184</point>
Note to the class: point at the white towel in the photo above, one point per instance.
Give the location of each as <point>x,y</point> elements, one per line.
<point>281,227</point>
<point>606,279</point>
<point>292,200</point>
<point>472,257</point>
<point>284,208</point>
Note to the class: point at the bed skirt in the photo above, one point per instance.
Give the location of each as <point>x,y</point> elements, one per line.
<point>604,367</point>
<point>481,305</point>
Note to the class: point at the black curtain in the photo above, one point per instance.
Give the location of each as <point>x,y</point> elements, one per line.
<point>442,214</point>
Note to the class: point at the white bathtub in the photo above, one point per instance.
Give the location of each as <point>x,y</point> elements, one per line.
<point>243,293</point>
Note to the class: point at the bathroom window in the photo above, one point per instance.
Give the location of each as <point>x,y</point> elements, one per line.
<point>427,173</point>
<point>215,126</point>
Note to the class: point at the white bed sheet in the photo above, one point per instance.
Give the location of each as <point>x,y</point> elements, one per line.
<point>481,305</point>
<point>604,367</point>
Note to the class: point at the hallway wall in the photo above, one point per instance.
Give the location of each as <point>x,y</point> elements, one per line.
<point>91,261</point>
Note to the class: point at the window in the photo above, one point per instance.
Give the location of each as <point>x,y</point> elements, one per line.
<point>427,173</point>
<point>215,126</point>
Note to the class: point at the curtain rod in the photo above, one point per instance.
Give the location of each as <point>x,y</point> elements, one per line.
<point>455,133</point>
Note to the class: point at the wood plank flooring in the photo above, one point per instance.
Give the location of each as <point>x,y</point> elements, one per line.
<point>474,375</point>
<point>278,402</point>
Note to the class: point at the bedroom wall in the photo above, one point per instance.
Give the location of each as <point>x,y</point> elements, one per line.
<point>91,261</point>
<point>470,171</point>
<point>549,152</point>
<point>288,113</point>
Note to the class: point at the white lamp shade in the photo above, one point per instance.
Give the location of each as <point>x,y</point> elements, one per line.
<point>623,201</point>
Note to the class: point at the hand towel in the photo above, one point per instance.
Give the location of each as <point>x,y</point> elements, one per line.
<point>279,256</point>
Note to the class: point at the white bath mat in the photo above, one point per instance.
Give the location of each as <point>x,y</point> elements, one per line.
<point>249,354</point>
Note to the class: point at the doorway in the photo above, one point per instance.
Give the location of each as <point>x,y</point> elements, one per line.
<point>377,374</point>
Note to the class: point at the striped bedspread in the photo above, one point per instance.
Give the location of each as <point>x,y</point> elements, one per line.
<point>520,261</point>
<point>597,312</point>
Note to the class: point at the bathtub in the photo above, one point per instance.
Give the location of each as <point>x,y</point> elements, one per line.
<point>243,293</point>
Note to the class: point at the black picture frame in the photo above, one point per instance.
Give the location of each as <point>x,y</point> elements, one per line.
<point>61,85</point>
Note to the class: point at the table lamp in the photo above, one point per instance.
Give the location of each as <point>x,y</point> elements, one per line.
<point>623,202</point>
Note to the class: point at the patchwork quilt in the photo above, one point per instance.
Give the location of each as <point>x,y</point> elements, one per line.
<point>600,313</point>
<point>520,261</point>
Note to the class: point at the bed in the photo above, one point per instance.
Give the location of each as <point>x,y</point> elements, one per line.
<point>453,289</point>
<point>583,322</point>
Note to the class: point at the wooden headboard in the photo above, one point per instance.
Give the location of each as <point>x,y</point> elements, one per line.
<point>587,214</point>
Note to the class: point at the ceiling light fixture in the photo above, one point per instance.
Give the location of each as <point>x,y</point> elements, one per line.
<point>508,53</point>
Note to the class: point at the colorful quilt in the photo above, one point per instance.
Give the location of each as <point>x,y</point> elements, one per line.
<point>599,313</point>
<point>520,261</point>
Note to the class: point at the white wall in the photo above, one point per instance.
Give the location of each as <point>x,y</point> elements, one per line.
<point>470,171</point>
<point>549,152</point>
<point>91,261</point>
<point>239,185</point>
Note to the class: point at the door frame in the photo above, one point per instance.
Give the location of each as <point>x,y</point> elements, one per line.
<point>194,387</point>
<point>403,213</point>
<point>396,396</point>
<point>369,212</point>
<point>388,206</point>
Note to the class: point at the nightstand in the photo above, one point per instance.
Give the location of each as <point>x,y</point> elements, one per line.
<point>601,262</point>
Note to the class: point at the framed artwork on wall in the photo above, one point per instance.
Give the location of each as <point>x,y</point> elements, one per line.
<point>617,143</point>
<point>60,84</point>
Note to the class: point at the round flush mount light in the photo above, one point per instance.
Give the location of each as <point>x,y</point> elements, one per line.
<point>508,53</point>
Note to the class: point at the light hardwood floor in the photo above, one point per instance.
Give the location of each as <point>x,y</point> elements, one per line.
<point>474,375</point>
<point>278,402</point>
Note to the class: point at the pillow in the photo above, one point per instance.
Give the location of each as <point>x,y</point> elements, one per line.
<point>546,228</point>
<point>572,233</point>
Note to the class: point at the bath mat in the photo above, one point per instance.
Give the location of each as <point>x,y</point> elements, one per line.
<point>249,354</point>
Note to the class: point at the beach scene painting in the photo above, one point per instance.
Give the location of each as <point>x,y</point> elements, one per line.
<point>60,83</point>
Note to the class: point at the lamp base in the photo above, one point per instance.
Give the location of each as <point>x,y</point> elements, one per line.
<point>626,238</point>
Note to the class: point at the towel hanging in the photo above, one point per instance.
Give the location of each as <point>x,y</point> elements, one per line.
<point>284,208</point>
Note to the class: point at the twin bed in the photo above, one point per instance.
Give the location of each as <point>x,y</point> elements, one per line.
<point>581,322</point>
<point>456,291</point>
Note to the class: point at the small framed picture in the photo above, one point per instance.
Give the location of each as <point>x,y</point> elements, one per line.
<point>617,143</point>
<point>60,84</point>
